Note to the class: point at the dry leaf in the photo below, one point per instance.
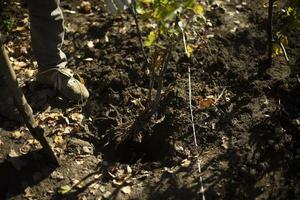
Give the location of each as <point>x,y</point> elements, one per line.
<point>185,163</point>
<point>18,65</point>
<point>225,142</point>
<point>29,73</point>
<point>77,183</point>
<point>28,192</point>
<point>13,153</point>
<point>58,140</point>
<point>107,194</point>
<point>117,183</point>
<point>86,7</point>
<point>16,134</point>
<point>25,148</point>
<point>57,175</point>
<point>205,103</point>
<point>126,189</point>
<point>129,170</point>
<point>90,44</point>
<point>77,117</point>
<point>20,28</point>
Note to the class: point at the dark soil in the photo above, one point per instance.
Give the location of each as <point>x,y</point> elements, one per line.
<point>248,140</point>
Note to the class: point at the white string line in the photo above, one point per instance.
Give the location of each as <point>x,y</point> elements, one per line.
<point>192,115</point>
<point>194,133</point>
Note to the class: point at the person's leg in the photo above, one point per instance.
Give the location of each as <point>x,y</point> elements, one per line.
<point>47,35</point>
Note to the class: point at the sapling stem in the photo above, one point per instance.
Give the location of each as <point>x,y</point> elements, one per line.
<point>270,31</point>
<point>133,11</point>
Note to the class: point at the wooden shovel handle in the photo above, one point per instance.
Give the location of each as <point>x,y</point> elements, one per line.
<point>22,104</point>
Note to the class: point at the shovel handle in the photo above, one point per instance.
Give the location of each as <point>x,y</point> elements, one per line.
<point>21,102</point>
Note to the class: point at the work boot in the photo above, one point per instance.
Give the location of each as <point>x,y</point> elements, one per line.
<point>8,109</point>
<point>64,81</point>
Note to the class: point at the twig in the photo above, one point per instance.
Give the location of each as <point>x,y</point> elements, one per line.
<point>165,62</point>
<point>152,75</point>
<point>219,97</point>
<point>284,53</point>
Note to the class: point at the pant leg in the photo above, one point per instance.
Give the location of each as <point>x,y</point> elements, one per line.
<point>47,33</point>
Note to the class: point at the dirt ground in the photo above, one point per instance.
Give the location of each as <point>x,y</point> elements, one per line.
<point>248,137</point>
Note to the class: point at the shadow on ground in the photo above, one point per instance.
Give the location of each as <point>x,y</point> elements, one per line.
<point>24,171</point>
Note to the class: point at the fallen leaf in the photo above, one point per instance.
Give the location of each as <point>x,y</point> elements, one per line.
<point>185,163</point>
<point>57,175</point>
<point>20,28</point>
<point>25,148</point>
<point>129,170</point>
<point>16,134</point>
<point>117,182</point>
<point>107,194</point>
<point>136,102</point>
<point>29,73</point>
<point>205,102</point>
<point>225,142</point>
<point>58,140</point>
<point>77,117</point>
<point>90,44</point>
<point>13,153</point>
<point>28,192</point>
<point>126,189</point>
<point>86,7</point>
<point>87,150</point>
<point>77,183</point>
<point>18,65</point>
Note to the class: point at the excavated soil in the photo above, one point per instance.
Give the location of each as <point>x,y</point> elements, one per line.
<point>247,114</point>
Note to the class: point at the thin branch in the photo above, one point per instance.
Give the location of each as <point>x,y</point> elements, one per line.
<point>284,53</point>
<point>219,97</point>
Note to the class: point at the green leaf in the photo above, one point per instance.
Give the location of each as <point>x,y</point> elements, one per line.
<point>189,50</point>
<point>198,9</point>
<point>63,190</point>
<point>150,39</point>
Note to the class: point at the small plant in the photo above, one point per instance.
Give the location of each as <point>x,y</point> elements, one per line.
<point>285,21</point>
<point>168,19</point>
<point>166,22</point>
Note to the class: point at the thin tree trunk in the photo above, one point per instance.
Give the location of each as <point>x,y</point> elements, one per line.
<point>270,31</point>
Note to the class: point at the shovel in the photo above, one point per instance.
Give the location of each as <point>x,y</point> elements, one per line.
<point>22,104</point>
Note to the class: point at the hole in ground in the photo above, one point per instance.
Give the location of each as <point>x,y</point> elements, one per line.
<point>154,147</point>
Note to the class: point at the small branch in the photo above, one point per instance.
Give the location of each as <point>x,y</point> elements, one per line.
<point>22,104</point>
<point>152,76</point>
<point>162,72</point>
<point>284,53</point>
<point>219,97</point>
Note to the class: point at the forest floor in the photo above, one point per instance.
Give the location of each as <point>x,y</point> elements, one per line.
<point>247,115</point>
